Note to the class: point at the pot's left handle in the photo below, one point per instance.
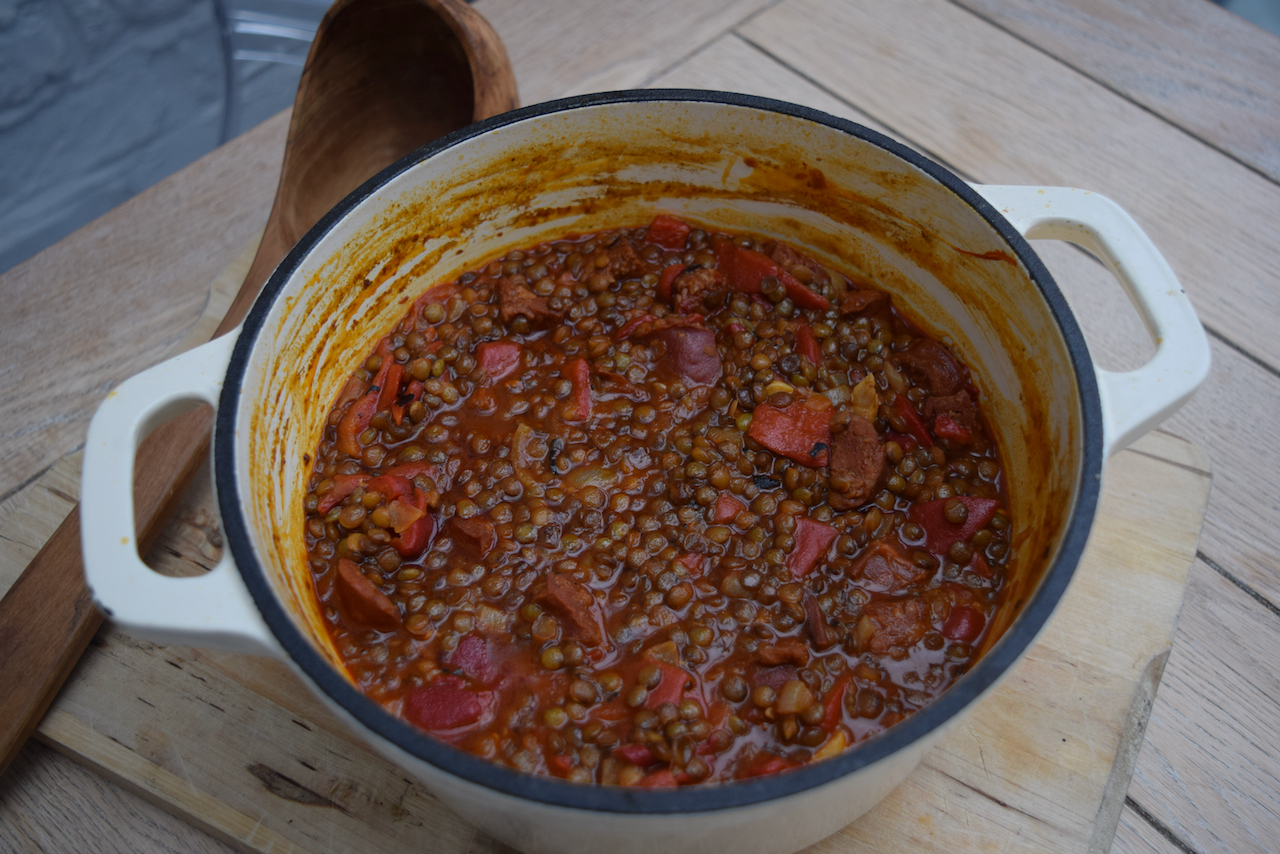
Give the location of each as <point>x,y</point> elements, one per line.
<point>214,609</point>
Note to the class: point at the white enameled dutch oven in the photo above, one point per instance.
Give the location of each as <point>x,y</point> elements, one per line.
<point>953,254</point>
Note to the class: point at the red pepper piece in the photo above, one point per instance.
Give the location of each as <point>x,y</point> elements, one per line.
<point>668,232</point>
<point>748,268</point>
<point>579,372</point>
<point>833,710</point>
<point>945,427</point>
<point>727,508</point>
<point>409,471</point>
<point>963,624</point>
<point>445,703</point>
<point>412,392</point>
<point>764,763</point>
<point>797,432</point>
<point>391,486</point>
<point>364,604</point>
<point>355,422</point>
<point>670,689</point>
<point>979,565</point>
<point>668,276</point>
<point>915,426</point>
<point>390,388</point>
<point>498,358</point>
<point>812,540</point>
<point>745,268</point>
<point>941,534</point>
<point>807,344</point>
<point>801,295</point>
<point>356,419</point>
<point>625,330</point>
<point>663,779</point>
<point>562,762</point>
<point>343,485</point>
<point>907,443</point>
<point>636,754</point>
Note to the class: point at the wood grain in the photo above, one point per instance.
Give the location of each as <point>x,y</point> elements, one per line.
<point>566,47</point>
<point>1210,765</point>
<point>50,803</point>
<point>1003,112</point>
<point>1135,835</point>
<point>113,298</point>
<point>1168,56</point>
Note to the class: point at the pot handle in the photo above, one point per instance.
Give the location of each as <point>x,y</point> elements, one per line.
<point>214,609</point>
<point>1133,402</point>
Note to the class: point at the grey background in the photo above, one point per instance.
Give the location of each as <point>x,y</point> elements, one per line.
<point>100,99</point>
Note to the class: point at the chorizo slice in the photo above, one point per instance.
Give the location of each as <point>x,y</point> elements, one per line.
<point>932,366</point>
<point>364,604</point>
<point>575,603</point>
<point>784,651</point>
<point>515,300</point>
<point>699,289</point>
<point>857,461</point>
<point>788,259</point>
<point>889,623</point>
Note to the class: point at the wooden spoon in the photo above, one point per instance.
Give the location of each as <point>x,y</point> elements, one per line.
<point>383,77</point>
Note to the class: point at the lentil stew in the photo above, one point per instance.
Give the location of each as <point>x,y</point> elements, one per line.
<point>656,506</point>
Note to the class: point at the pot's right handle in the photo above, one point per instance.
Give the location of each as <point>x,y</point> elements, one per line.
<point>214,609</point>
<point>1133,402</point>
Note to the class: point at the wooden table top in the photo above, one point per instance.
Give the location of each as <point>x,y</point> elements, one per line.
<point>1170,107</point>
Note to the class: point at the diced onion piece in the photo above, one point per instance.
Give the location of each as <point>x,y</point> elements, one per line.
<point>794,698</point>
<point>836,744</point>
<point>866,401</point>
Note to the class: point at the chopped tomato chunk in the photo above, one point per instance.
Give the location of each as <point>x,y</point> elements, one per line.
<point>668,232</point>
<point>343,485</point>
<point>812,540</point>
<point>940,534</point>
<point>963,624</point>
<point>807,345</point>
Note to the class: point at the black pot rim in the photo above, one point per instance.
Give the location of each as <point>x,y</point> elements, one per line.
<point>698,799</point>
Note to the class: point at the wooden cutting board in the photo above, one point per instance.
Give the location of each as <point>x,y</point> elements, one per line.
<point>239,747</point>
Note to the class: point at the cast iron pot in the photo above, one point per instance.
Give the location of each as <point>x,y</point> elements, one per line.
<point>953,254</point>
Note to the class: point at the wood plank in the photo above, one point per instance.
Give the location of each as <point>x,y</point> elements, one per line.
<point>566,47</point>
<point>116,296</point>
<point>1003,112</point>
<point>1136,836</point>
<point>1210,768</point>
<point>1193,63</point>
<point>51,803</point>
